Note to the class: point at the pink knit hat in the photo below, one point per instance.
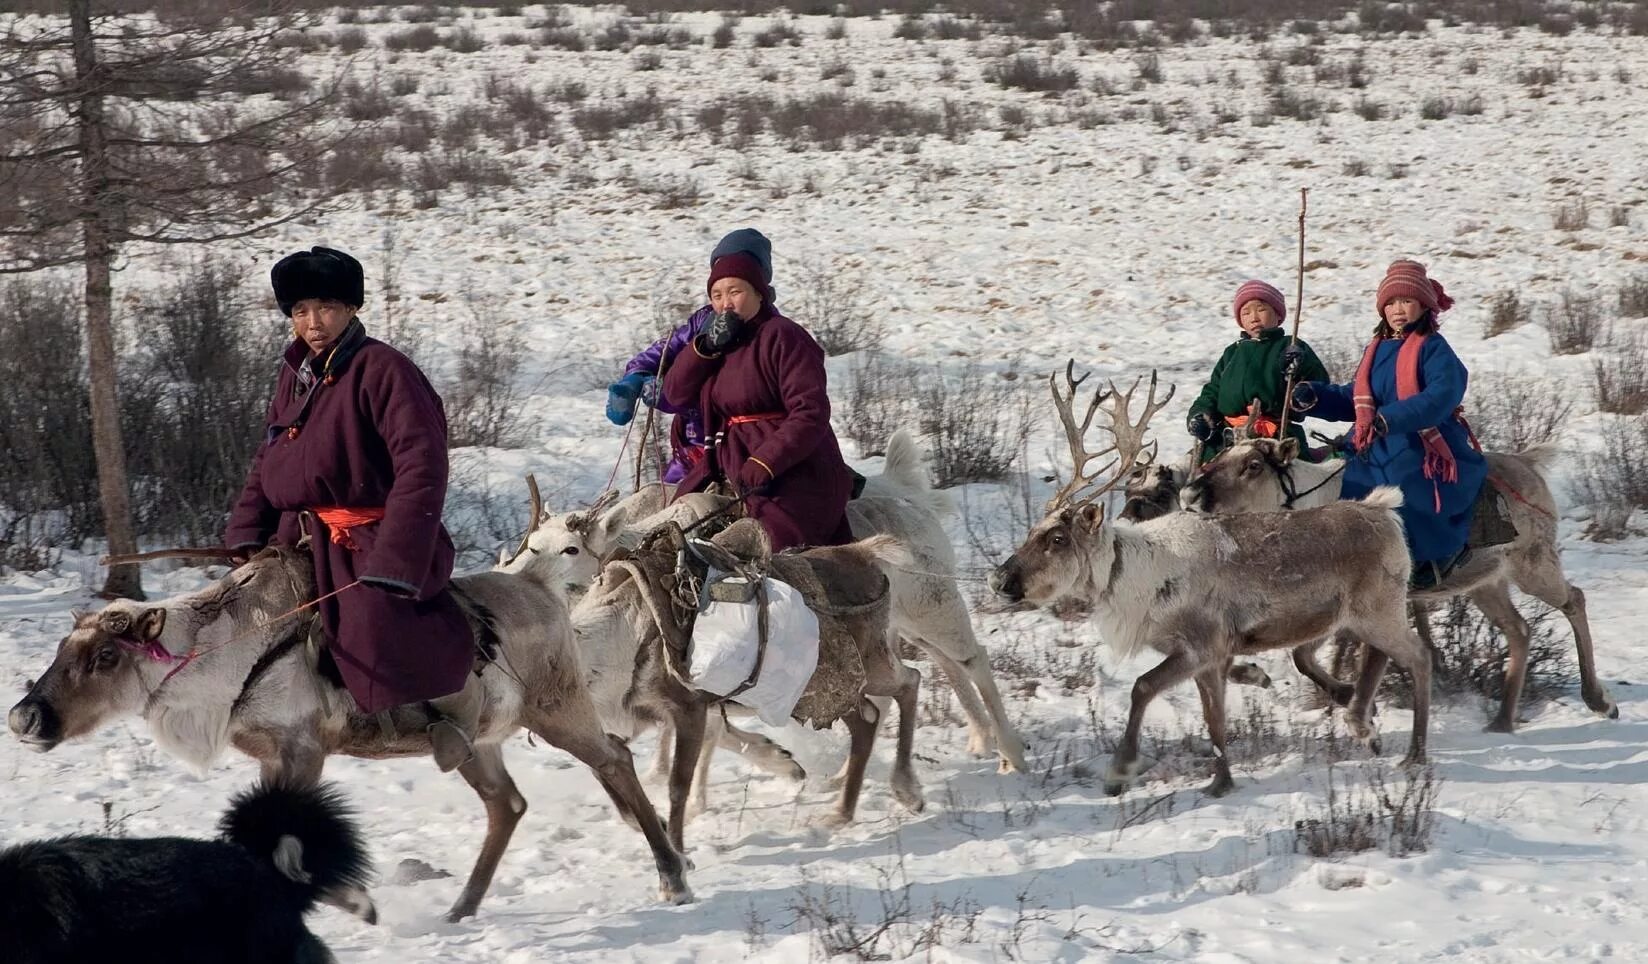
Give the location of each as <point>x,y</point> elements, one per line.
<point>1257,290</point>
<point>1407,279</point>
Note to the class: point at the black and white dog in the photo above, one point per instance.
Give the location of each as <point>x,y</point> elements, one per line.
<point>240,898</point>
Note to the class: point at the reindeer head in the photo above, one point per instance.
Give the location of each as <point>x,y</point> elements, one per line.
<point>1247,477</point>
<point>562,550</point>
<point>1152,491</point>
<point>1054,562</point>
<point>110,662</point>
<point>94,677</point>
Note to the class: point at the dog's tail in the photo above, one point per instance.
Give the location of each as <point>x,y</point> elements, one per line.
<point>310,836</point>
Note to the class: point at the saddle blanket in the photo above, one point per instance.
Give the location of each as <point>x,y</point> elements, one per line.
<point>726,646</point>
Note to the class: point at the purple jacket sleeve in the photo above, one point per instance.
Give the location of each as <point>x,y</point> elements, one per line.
<point>407,414</point>
<point>664,351</point>
<point>252,520</point>
<point>798,363</point>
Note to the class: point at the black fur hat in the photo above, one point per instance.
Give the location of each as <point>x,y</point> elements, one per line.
<point>318,273</point>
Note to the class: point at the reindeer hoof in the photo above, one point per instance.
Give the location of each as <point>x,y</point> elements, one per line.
<point>676,895</point>
<point>1599,702</point>
<point>1500,725</point>
<point>1413,761</point>
<point>1612,712</point>
<point>1118,776</point>
<point>830,822</point>
<point>980,744</point>
<point>1010,765</point>
<point>1221,785</point>
<point>908,795</point>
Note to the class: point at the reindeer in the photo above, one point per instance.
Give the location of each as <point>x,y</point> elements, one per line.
<point>927,606</point>
<point>641,629</point>
<point>1202,590</point>
<point>249,680</point>
<point>1264,475</point>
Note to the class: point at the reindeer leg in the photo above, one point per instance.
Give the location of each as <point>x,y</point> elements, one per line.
<point>689,741</point>
<point>1547,584</point>
<point>1008,744</point>
<point>980,738</point>
<point>1211,685</point>
<point>1495,602</point>
<point>1124,765</point>
<point>761,751</point>
<point>715,727</point>
<point>906,788</point>
<point>882,705</point>
<point>577,730</point>
<point>861,726</point>
<point>1358,714</point>
<point>663,759</point>
<point>504,806</point>
<point>1304,660</point>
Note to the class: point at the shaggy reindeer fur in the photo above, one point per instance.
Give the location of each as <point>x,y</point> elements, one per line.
<point>1252,477</point>
<point>629,613</point>
<point>172,900</point>
<point>1202,590</point>
<point>927,606</point>
<point>262,695</point>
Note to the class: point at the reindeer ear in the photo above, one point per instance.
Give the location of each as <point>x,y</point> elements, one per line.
<point>1288,449</point>
<point>1091,515</point>
<point>115,622</point>
<point>150,624</point>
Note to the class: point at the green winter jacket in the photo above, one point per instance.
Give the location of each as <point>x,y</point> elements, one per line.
<point>1252,368</point>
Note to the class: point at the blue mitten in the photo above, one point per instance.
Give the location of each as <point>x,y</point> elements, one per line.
<point>622,394</point>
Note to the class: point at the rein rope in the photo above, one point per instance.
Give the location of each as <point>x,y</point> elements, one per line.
<point>1284,478</point>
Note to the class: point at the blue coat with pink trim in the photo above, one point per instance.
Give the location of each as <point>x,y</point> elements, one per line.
<point>1435,513</point>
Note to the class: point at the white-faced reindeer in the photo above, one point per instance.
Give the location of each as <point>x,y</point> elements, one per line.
<point>255,686</point>
<point>927,606</point>
<point>1266,475</point>
<point>1202,590</point>
<point>631,617</point>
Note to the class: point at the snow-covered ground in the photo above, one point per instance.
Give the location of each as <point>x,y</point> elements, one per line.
<point>1117,244</point>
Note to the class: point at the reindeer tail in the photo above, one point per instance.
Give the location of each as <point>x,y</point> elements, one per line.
<point>1384,497</point>
<point>903,468</point>
<point>889,551</point>
<point>310,836</point>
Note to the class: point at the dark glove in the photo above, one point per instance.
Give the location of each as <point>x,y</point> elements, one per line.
<point>621,396</point>
<point>721,332</point>
<point>1200,426</point>
<point>1304,397</point>
<point>753,478</point>
<point>1291,356</point>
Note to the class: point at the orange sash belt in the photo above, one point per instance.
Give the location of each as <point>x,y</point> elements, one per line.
<point>760,417</point>
<point>1263,425</point>
<point>341,520</point>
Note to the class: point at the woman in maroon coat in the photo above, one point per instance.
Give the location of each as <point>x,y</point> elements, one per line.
<point>759,380</point>
<point>355,458</point>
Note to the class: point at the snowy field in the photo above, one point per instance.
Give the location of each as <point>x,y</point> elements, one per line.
<point>1117,244</point>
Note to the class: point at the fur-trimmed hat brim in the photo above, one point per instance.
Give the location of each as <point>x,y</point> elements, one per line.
<point>317,273</point>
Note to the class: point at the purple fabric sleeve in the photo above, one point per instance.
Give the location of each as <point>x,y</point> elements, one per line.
<point>647,360</point>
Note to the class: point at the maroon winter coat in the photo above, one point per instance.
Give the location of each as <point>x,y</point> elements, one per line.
<point>372,436</point>
<point>778,372</point>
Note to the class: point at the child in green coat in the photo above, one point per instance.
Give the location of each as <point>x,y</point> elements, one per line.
<point>1255,367</point>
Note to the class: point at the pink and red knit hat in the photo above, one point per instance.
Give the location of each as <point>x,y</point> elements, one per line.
<point>1407,279</point>
<point>1257,290</point>
<point>744,267</point>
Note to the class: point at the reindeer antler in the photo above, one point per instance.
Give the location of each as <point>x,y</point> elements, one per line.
<point>1076,435</point>
<point>1127,436</point>
<point>537,513</point>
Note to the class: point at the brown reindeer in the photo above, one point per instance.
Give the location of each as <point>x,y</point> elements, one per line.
<point>1202,590</point>
<point>255,686</point>
<point>1264,475</point>
<point>633,612</point>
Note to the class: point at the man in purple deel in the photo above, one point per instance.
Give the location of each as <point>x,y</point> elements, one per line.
<point>640,381</point>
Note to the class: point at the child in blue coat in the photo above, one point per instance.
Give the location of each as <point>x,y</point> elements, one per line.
<point>1406,403</point>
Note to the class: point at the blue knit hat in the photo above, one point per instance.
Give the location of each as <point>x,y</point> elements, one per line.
<point>746,241</point>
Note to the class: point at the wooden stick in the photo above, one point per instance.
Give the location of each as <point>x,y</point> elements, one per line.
<point>216,552</point>
<point>1298,310</point>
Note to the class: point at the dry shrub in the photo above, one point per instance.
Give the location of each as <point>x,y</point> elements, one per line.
<point>602,121</point>
<point>1575,323</point>
<point>1515,412</point>
<point>833,121</point>
<point>1508,311</point>
<point>977,424</point>
<point>1633,297</point>
<point>463,41</point>
<point>417,39</point>
<point>1572,216</point>
<point>778,33</point>
<point>1613,483</point>
<point>1025,72</point>
<point>834,307</point>
<point>1621,377</point>
<point>1369,810</point>
<point>483,404</point>
<point>877,401</point>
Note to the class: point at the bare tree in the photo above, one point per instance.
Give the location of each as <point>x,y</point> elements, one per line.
<point>119,129</point>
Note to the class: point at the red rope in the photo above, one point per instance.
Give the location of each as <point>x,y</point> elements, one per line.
<point>617,463</point>
<point>195,654</point>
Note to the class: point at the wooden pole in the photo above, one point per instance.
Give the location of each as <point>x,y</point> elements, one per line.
<point>1298,311</point>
